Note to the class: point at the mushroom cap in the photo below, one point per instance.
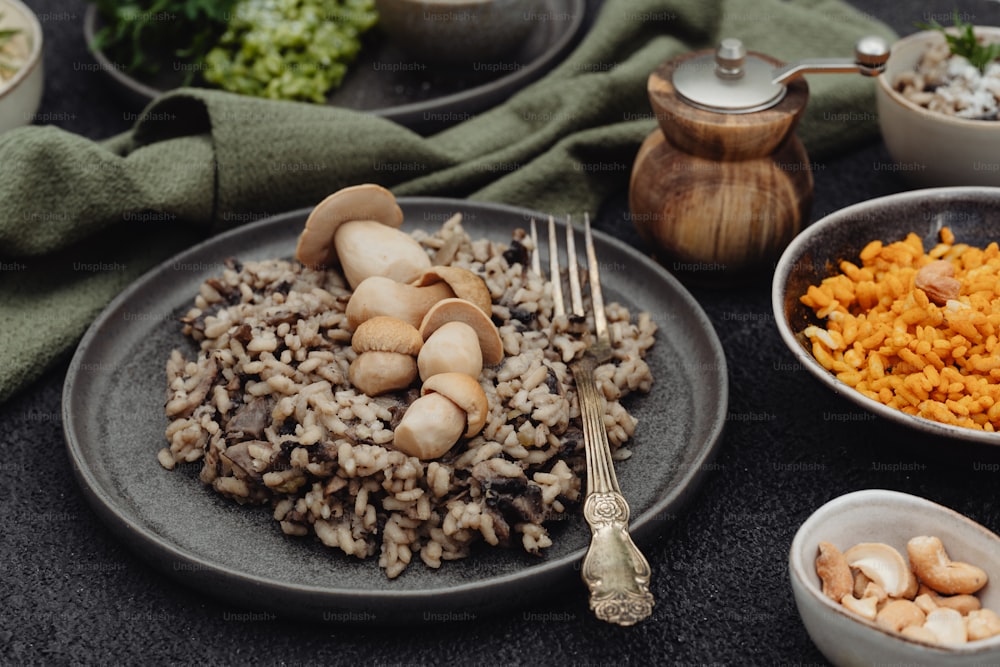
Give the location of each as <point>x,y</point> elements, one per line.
<point>367,201</point>
<point>460,310</point>
<point>375,373</point>
<point>465,392</point>
<point>464,283</point>
<point>387,334</point>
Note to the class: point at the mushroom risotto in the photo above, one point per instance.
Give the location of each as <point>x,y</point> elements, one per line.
<point>262,398</point>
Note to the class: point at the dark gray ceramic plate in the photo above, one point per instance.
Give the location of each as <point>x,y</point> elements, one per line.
<point>973,213</point>
<point>389,83</point>
<point>114,424</point>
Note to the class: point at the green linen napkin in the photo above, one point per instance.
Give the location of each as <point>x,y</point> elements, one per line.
<point>83,219</point>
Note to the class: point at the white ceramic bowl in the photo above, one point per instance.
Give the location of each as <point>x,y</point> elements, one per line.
<point>972,213</point>
<point>461,31</point>
<point>932,148</point>
<point>21,95</point>
<point>878,515</point>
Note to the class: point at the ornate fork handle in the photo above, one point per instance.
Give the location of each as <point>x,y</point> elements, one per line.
<point>614,569</point>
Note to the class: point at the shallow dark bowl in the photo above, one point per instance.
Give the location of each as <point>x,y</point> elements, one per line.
<point>973,214</point>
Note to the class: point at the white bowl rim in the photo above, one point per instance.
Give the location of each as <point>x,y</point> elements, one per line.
<point>798,570</point>
<point>788,258</point>
<point>34,56</point>
<point>894,95</point>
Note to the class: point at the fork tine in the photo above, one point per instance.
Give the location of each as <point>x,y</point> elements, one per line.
<point>555,276</point>
<point>573,269</point>
<point>596,295</point>
<point>536,259</point>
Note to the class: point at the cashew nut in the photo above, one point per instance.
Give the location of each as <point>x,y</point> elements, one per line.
<point>919,633</point>
<point>866,607</point>
<point>860,584</point>
<point>932,565</point>
<point>925,602</point>
<point>947,625</point>
<point>981,624</point>
<point>936,280</point>
<point>834,572</point>
<point>963,604</point>
<point>899,614</point>
<point>885,566</point>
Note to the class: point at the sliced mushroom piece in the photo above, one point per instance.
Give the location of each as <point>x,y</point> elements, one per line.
<point>460,310</point>
<point>454,347</point>
<point>251,419</point>
<point>378,295</point>
<point>451,405</point>
<point>885,566</point>
<point>464,283</point>
<point>367,201</point>
<point>386,361</point>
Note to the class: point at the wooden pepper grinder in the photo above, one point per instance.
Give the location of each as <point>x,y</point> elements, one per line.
<point>724,184</point>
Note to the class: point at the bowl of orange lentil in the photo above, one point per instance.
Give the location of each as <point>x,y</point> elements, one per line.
<point>894,303</point>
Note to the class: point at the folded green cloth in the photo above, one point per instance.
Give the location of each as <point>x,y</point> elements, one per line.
<point>83,219</point>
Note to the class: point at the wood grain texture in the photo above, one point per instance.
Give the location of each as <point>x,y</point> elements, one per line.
<point>723,136</point>
<point>715,194</point>
<point>719,216</point>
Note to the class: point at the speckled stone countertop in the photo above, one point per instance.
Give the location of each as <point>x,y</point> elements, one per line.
<point>72,593</point>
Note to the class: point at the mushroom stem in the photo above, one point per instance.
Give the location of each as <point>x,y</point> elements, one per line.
<point>369,248</point>
<point>429,427</point>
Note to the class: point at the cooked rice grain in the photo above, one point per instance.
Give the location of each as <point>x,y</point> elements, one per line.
<point>266,405</point>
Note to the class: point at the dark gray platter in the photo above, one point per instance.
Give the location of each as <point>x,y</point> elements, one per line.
<point>387,82</point>
<point>972,213</point>
<point>114,424</point>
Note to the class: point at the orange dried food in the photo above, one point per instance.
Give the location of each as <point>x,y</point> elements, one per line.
<point>915,330</point>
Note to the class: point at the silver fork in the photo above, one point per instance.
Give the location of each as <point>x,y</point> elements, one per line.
<point>614,569</point>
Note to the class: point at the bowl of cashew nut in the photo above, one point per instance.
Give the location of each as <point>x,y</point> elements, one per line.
<point>883,577</point>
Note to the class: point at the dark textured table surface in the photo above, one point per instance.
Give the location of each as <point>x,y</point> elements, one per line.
<point>72,593</point>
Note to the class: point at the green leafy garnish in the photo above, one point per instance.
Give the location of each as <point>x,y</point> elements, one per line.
<point>8,67</point>
<point>965,43</point>
<point>289,49</point>
<point>139,33</point>
<point>280,49</point>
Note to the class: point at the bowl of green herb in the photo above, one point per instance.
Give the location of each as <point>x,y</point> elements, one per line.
<point>278,50</point>
<point>939,105</point>
<point>21,76</point>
